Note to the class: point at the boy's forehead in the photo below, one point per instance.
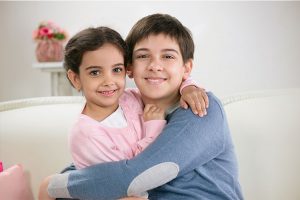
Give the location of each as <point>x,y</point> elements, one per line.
<point>159,35</point>
<point>162,38</point>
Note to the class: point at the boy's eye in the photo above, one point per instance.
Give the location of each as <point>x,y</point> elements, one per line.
<point>169,56</point>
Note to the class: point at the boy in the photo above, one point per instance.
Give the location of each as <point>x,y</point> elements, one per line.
<point>193,158</point>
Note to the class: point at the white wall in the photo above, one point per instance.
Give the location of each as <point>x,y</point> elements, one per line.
<point>240,46</point>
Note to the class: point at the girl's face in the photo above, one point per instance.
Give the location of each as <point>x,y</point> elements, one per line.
<point>101,78</point>
<point>158,69</point>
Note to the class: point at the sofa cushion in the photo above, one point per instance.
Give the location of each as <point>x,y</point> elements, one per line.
<point>34,132</point>
<point>265,127</point>
<point>14,184</point>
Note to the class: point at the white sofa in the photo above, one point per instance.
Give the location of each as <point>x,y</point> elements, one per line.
<point>265,127</point>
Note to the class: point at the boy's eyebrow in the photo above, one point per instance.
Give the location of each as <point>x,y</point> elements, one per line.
<point>141,49</point>
<point>174,50</point>
<point>163,50</point>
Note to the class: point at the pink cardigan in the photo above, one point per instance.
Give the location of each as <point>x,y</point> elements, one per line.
<point>91,143</point>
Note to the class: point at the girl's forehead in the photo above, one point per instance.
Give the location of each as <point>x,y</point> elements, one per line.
<point>106,55</point>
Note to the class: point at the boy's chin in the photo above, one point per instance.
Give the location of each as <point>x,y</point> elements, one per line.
<point>159,95</point>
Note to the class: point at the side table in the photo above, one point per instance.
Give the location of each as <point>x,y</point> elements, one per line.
<point>60,85</point>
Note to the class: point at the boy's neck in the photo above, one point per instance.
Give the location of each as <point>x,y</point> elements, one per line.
<point>172,108</point>
<point>166,104</point>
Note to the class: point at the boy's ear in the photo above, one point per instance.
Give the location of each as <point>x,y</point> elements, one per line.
<point>129,71</point>
<point>188,66</point>
<point>75,80</point>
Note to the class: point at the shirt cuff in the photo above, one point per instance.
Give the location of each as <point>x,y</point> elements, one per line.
<point>58,186</point>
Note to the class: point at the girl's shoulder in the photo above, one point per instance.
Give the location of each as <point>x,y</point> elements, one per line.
<point>131,99</point>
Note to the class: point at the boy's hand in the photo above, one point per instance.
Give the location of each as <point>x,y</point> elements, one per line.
<point>43,193</point>
<point>152,112</point>
<point>196,98</point>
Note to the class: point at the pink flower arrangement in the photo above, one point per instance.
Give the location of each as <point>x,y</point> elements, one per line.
<point>48,30</point>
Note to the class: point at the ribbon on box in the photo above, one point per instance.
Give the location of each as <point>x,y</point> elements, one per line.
<point>1,167</point>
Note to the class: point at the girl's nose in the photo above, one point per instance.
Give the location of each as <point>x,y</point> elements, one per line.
<point>108,79</point>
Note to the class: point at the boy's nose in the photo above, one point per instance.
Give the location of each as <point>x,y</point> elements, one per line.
<point>155,65</point>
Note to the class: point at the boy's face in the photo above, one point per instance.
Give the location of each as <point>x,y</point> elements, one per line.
<point>158,68</point>
<point>101,77</point>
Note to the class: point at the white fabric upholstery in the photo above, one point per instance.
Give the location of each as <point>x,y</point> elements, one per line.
<point>265,128</point>
<point>34,132</point>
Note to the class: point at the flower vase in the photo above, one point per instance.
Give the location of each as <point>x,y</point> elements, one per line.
<point>49,51</point>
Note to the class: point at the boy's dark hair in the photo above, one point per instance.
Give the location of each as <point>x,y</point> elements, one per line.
<point>161,23</point>
<point>91,39</point>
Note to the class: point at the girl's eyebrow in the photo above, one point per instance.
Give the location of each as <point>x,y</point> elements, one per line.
<point>100,67</point>
<point>93,67</point>
<point>118,64</point>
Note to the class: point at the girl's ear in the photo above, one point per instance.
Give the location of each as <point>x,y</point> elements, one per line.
<point>129,71</point>
<point>188,66</point>
<point>75,80</point>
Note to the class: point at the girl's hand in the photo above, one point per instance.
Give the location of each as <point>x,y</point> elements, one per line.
<point>152,112</point>
<point>196,98</point>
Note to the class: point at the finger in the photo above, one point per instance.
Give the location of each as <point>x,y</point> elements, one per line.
<point>159,111</point>
<point>205,97</point>
<point>147,107</point>
<point>198,107</point>
<point>189,100</point>
<point>201,106</point>
<point>192,105</point>
<point>204,107</point>
<point>183,104</point>
<point>153,109</point>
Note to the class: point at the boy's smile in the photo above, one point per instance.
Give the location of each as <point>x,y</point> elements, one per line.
<point>158,69</point>
<point>155,80</point>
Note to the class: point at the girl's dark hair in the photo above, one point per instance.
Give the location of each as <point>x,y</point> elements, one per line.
<point>91,39</point>
<point>161,23</point>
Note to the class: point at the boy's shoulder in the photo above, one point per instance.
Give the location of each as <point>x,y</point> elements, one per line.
<point>213,99</point>
<point>215,109</point>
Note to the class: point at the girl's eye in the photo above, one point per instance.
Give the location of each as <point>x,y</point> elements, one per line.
<point>169,56</point>
<point>118,69</point>
<point>95,72</point>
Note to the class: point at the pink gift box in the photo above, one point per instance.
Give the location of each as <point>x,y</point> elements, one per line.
<point>1,167</point>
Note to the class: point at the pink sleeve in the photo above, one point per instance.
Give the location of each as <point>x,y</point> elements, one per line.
<point>189,81</point>
<point>152,129</point>
<point>89,146</point>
